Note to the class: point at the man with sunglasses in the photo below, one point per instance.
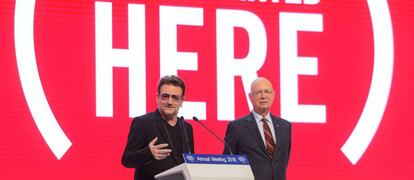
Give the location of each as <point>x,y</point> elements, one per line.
<point>157,140</point>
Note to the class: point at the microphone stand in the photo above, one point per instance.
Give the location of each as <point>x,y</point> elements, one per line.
<point>225,144</point>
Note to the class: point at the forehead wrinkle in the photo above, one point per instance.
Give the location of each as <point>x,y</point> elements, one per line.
<point>261,82</point>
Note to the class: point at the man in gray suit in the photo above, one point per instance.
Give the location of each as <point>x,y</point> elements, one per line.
<point>263,137</point>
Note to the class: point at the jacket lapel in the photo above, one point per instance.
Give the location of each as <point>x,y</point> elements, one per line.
<point>276,128</point>
<point>251,125</point>
<point>158,122</point>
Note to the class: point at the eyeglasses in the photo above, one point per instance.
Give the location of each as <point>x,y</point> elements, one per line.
<point>166,97</point>
<point>265,92</point>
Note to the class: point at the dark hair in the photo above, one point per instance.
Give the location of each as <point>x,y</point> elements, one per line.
<point>171,80</point>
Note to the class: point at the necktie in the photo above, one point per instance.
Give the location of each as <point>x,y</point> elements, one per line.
<point>270,144</point>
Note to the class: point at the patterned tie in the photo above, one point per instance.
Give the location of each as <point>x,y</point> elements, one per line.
<point>270,144</point>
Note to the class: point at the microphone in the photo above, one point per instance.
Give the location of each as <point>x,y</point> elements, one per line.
<point>185,133</point>
<point>215,135</point>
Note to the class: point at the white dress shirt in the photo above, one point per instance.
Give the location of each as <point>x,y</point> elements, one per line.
<point>259,122</point>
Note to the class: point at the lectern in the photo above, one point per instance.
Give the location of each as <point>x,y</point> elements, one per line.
<point>209,167</point>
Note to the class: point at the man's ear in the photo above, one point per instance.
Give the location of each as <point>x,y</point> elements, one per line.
<point>250,96</point>
<point>156,98</point>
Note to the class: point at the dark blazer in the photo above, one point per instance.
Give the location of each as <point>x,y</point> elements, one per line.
<point>137,153</point>
<point>243,137</point>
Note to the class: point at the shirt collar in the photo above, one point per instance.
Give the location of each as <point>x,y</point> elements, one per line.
<point>259,117</point>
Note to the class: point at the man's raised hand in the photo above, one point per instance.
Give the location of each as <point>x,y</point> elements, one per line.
<point>157,151</point>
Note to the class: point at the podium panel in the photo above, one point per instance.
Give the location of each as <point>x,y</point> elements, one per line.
<point>208,167</point>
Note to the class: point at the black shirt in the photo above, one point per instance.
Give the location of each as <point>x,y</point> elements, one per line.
<point>177,144</point>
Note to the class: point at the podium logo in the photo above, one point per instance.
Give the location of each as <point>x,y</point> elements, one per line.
<point>242,159</point>
<point>190,158</point>
<point>353,148</point>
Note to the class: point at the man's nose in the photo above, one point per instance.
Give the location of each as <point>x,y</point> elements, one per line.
<point>170,100</point>
<point>262,95</point>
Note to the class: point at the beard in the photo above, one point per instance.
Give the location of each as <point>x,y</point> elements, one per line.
<point>168,114</point>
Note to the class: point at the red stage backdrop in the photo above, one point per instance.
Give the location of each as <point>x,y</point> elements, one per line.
<point>73,73</point>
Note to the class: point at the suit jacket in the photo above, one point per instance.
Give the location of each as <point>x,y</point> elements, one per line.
<point>137,153</point>
<point>243,137</point>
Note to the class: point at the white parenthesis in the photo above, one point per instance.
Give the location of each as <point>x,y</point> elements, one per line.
<point>29,77</point>
<point>374,108</point>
